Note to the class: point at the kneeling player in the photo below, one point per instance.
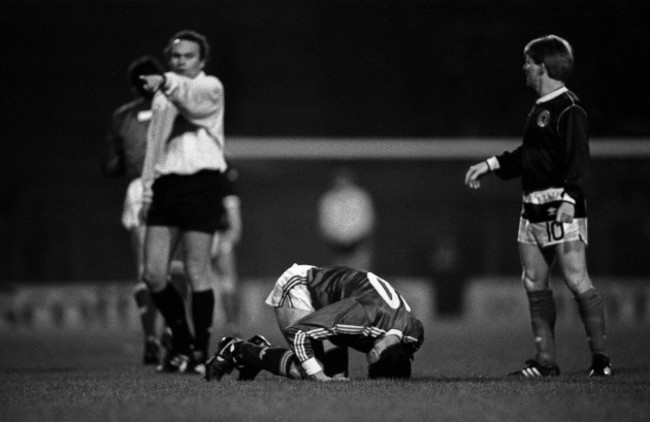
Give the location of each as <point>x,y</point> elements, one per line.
<point>350,308</point>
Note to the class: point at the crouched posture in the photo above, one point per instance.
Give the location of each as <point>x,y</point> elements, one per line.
<point>350,308</point>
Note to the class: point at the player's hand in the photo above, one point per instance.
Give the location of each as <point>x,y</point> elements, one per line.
<point>379,347</point>
<point>475,173</point>
<point>320,376</point>
<point>565,213</point>
<point>152,83</point>
<point>144,212</point>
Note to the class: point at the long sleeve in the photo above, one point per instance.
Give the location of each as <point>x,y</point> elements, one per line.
<point>199,100</point>
<point>346,317</point>
<point>573,128</point>
<point>510,164</point>
<point>160,128</point>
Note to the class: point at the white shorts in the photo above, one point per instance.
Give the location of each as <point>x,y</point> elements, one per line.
<point>291,289</point>
<point>132,205</point>
<point>549,233</point>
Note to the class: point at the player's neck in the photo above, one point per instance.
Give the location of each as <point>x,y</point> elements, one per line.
<point>549,85</point>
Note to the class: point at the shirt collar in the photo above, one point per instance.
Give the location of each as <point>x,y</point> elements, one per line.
<point>552,95</point>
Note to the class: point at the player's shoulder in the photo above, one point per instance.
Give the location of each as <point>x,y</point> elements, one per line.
<point>211,81</point>
<point>133,106</point>
<point>566,103</point>
<point>569,102</point>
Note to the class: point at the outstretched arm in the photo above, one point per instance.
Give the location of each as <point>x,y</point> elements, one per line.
<point>474,174</point>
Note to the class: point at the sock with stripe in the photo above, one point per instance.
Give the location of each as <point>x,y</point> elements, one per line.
<point>276,360</point>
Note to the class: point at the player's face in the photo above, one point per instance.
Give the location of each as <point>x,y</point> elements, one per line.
<point>533,72</point>
<point>185,58</point>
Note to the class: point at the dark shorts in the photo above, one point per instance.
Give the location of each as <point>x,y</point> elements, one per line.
<point>189,202</point>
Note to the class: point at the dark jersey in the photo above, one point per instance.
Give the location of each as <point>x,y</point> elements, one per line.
<point>332,284</point>
<point>127,137</point>
<point>554,153</point>
<point>354,308</point>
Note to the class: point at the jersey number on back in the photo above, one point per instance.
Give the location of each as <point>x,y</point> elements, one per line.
<point>386,291</point>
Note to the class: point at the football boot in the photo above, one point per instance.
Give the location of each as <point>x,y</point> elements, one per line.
<point>248,372</point>
<point>600,366</point>
<point>152,351</point>
<point>222,362</point>
<point>175,363</point>
<point>533,369</point>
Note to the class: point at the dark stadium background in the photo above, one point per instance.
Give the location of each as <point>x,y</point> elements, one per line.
<point>356,69</point>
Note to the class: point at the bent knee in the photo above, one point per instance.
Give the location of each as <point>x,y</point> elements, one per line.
<point>155,279</point>
<point>534,282</point>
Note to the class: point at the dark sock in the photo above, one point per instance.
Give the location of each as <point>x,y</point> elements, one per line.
<point>592,312</point>
<point>202,316</point>
<point>542,315</point>
<point>276,360</point>
<point>170,304</point>
<point>147,310</point>
<point>335,361</point>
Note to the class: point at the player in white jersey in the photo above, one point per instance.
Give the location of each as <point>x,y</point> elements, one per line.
<point>184,185</point>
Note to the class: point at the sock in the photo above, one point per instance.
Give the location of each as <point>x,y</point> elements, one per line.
<point>202,316</point>
<point>147,310</point>
<point>170,304</point>
<point>335,361</point>
<point>542,315</point>
<point>276,360</point>
<point>592,312</point>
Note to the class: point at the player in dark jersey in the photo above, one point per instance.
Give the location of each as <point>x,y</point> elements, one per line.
<point>127,139</point>
<point>352,308</point>
<point>553,163</point>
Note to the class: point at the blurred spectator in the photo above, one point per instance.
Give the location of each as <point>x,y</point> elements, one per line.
<point>449,277</point>
<point>346,220</point>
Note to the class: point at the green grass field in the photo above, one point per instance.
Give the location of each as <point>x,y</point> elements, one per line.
<point>458,376</point>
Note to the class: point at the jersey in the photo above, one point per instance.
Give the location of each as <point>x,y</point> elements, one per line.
<point>553,160</point>
<point>127,136</point>
<point>353,309</point>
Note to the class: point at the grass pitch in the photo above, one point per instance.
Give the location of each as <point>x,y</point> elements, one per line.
<point>458,376</point>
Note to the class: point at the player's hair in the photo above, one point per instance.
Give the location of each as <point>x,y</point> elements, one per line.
<point>394,362</point>
<point>144,65</point>
<point>190,35</point>
<point>555,53</point>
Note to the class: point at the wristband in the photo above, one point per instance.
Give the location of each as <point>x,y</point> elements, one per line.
<point>311,366</point>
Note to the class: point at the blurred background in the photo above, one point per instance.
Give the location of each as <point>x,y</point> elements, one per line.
<point>322,75</point>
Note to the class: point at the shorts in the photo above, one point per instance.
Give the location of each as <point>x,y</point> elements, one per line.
<point>188,202</point>
<point>548,233</point>
<point>291,289</point>
<point>132,205</point>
